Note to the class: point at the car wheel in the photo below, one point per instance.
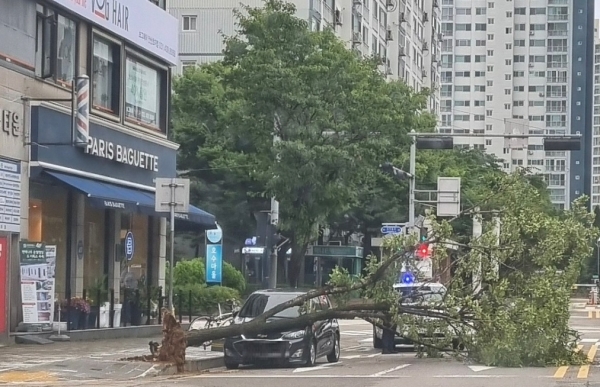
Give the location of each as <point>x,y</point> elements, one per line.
<point>311,357</point>
<point>377,343</point>
<point>231,365</point>
<point>334,356</point>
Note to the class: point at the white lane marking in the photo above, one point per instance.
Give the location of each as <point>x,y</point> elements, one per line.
<point>374,355</point>
<point>381,373</point>
<point>316,368</point>
<point>71,371</point>
<point>474,376</point>
<point>151,370</point>
<point>369,340</point>
<point>270,376</point>
<point>356,333</point>
<point>476,368</point>
<point>588,340</point>
<point>350,357</point>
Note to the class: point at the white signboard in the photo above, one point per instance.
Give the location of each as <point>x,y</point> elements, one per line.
<point>10,196</point>
<point>141,96</point>
<point>448,203</point>
<point>172,192</point>
<point>139,21</point>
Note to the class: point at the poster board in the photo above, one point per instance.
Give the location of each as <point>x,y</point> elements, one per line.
<point>38,263</point>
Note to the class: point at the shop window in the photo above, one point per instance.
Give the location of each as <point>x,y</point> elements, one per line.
<point>94,244</point>
<point>56,47</point>
<point>135,271</point>
<point>105,75</point>
<point>47,224</point>
<point>145,96</point>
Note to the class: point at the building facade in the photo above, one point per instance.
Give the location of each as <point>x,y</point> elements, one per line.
<point>405,34</point>
<point>90,197</point>
<point>521,66</point>
<point>595,157</point>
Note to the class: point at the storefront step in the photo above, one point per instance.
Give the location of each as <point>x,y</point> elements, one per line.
<point>97,334</point>
<point>195,365</point>
<point>32,339</point>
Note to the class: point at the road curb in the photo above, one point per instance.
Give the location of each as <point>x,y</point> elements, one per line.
<point>193,366</point>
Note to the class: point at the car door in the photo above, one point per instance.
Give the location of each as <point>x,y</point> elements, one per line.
<point>328,327</point>
<point>318,326</point>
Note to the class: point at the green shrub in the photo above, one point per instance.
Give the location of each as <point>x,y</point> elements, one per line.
<point>189,272</point>
<point>205,299</point>
<point>192,272</point>
<point>233,278</point>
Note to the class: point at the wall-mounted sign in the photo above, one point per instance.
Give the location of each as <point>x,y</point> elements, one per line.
<point>141,22</point>
<point>142,99</point>
<point>10,122</point>
<point>10,196</point>
<point>129,246</point>
<point>122,154</point>
<point>215,235</point>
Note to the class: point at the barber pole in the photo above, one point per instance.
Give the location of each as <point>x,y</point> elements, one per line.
<point>82,117</point>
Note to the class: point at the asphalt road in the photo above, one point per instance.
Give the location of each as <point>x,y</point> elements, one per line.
<point>362,366</point>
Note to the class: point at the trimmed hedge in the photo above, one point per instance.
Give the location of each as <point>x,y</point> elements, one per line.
<point>193,272</point>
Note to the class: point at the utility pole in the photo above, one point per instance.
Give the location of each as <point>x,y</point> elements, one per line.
<point>411,188</point>
<point>477,231</point>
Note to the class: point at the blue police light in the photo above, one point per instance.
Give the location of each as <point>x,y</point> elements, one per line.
<point>407,278</point>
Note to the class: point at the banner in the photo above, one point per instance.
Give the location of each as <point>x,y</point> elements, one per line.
<point>37,282</point>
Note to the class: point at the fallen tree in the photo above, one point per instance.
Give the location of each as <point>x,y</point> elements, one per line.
<point>517,317</point>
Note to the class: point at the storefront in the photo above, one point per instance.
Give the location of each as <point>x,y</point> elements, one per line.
<point>90,202</point>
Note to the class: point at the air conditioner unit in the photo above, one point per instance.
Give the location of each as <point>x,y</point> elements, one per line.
<point>401,52</point>
<point>425,46</point>
<point>436,4</point>
<point>542,94</point>
<point>531,65</point>
<point>440,36</point>
<point>338,17</point>
<point>356,37</point>
<point>423,72</point>
<point>531,33</point>
<point>402,19</point>
<point>357,3</point>
<point>390,4</point>
<point>425,17</point>
<point>389,35</point>
<point>389,71</point>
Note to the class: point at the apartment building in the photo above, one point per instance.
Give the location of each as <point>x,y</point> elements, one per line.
<point>595,144</point>
<point>520,66</point>
<point>84,89</point>
<point>404,33</point>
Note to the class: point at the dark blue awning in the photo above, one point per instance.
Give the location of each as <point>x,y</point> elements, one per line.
<point>107,195</point>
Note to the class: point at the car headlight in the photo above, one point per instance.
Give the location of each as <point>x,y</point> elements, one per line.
<point>294,335</point>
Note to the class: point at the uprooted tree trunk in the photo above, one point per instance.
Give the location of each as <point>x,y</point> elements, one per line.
<point>174,341</point>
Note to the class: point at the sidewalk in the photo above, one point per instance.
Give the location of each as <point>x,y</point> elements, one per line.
<point>82,361</point>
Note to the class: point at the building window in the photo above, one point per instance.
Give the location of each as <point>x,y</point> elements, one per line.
<point>144,93</point>
<point>56,49</point>
<point>105,75</point>
<point>189,23</point>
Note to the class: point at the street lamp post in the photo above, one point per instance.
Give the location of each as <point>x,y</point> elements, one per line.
<point>598,259</point>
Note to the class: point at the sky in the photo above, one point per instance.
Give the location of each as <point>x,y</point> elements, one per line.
<point>597,9</point>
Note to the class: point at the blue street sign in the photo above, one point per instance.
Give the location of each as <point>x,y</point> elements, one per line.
<point>129,246</point>
<point>214,236</point>
<point>389,229</point>
<point>214,263</point>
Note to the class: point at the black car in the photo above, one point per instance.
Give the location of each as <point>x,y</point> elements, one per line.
<point>301,346</point>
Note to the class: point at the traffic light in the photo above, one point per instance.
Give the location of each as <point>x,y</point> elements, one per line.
<point>396,173</point>
<point>423,251</point>
<point>424,232</point>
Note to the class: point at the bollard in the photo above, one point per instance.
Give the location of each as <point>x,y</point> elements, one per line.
<point>84,294</point>
<point>160,305</point>
<point>111,313</point>
<point>148,304</point>
<point>99,302</point>
<point>190,306</point>
<point>180,306</point>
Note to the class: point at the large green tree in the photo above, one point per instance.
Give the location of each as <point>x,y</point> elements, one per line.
<point>294,114</point>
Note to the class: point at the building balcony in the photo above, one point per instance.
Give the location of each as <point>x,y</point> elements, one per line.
<point>558,33</point>
<point>556,79</point>
<point>558,17</point>
<point>558,48</point>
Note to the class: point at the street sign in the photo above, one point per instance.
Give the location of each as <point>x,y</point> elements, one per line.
<point>335,251</point>
<point>172,193</point>
<point>215,235</point>
<point>391,229</point>
<point>214,263</point>
<point>129,246</point>
<point>448,198</point>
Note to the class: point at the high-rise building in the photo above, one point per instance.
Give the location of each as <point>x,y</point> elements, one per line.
<point>522,66</point>
<point>404,33</point>
<point>595,144</point>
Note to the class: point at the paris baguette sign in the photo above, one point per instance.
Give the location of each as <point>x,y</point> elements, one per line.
<point>139,21</point>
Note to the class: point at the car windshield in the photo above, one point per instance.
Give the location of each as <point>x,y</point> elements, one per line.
<point>415,294</point>
<point>257,304</point>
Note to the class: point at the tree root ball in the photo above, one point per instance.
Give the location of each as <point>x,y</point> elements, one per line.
<point>174,342</point>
